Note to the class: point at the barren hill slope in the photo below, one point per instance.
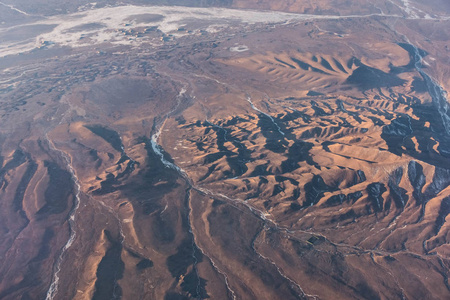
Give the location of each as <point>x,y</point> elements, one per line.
<point>195,153</point>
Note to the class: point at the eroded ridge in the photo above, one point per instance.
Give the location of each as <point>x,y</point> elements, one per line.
<point>206,153</point>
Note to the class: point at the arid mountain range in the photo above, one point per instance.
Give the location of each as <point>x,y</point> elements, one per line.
<point>224,149</point>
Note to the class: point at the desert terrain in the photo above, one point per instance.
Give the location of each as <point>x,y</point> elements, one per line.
<point>224,150</point>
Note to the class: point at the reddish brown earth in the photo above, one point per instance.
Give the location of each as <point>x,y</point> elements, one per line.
<point>300,159</point>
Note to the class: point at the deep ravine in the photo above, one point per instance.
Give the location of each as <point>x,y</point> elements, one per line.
<point>53,289</point>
